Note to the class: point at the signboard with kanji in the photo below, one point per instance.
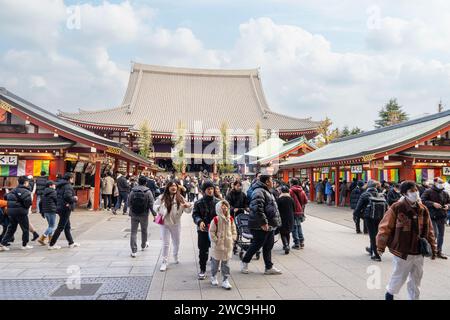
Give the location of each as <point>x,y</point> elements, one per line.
<point>6,160</point>
<point>356,169</point>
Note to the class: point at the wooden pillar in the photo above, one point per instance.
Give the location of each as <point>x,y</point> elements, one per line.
<point>98,168</point>
<point>336,186</point>
<point>286,176</point>
<point>312,188</point>
<point>53,170</point>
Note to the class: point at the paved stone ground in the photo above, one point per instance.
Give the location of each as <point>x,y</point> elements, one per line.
<point>333,265</point>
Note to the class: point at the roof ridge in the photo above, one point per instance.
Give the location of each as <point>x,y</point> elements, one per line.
<point>193,71</point>
<point>396,126</point>
<point>81,111</point>
<point>291,117</point>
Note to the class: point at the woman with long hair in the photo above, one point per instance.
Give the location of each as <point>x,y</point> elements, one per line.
<point>170,206</point>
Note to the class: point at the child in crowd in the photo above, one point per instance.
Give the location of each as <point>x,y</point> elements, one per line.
<point>223,234</point>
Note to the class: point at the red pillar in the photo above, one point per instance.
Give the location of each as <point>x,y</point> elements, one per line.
<point>53,170</point>
<point>98,168</point>
<point>312,188</point>
<point>406,172</point>
<point>286,176</point>
<point>374,174</point>
<point>336,186</point>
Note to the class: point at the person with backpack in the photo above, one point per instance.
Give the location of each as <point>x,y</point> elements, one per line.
<point>140,202</point>
<point>223,234</point>
<point>354,198</point>
<point>438,203</point>
<point>49,203</point>
<point>403,228</point>
<point>300,201</point>
<point>19,203</point>
<point>372,206</point>
<point>170,206</point>
<point>286,206</point>
<point>124,189</point>
<point>66,200</point>
<point>203,213</point>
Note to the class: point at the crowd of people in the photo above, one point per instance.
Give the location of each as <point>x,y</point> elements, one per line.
<point>406,217</point>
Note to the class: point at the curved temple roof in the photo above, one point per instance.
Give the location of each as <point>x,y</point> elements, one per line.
<point>201,98</point>
<point>375,141</point>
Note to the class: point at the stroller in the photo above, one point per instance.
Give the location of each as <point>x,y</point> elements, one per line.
<point>244,235</point>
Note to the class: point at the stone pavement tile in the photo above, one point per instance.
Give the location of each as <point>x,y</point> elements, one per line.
<point>8,273</point>
<point>37,272</point>
<point>148,271</point>
<point>131,263</point>
<point>181,283</point>
<point>120,271</point>
<point>250,281</point>
<point>26,265</point>
<point>9,258</point>
<point>334,293</point>
<point>258,294</point>
<point>4,264</point>
<point>181,295</point>
<point>85,264</point>
<point>316,279</point>
<point>218,293</point>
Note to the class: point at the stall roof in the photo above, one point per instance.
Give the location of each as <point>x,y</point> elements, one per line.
<point>63,126</point>
<point>375,141</point>
<point>26,143</point>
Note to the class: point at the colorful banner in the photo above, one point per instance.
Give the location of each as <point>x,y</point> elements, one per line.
<point>389,175</point>
<point>26,167</point>
<point>428,174</point>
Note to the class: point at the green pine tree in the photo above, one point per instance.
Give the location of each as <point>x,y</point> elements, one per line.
<point>390,114</point>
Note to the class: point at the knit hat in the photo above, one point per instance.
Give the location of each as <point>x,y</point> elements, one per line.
<point>49,183</point>
<point>207,184</point>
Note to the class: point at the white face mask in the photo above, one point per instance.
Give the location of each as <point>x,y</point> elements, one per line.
<point>440,186</point>
<point>413,197</point>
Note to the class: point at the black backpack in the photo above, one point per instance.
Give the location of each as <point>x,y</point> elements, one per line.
<point>377,207</point>
<point>139,203</point>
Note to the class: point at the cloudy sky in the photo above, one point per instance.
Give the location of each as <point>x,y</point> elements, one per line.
<point>341,59</point>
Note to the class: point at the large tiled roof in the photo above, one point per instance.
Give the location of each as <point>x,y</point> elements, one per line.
<point>24,143</point>
<point>64,126</point>
<point>166,95</point>
<point>375,141</point>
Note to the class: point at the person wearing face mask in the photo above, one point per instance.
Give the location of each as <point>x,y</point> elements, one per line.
<point>425,185</point>
<point>394,194</point>
<point>437,201</point>
<point>404,223</point>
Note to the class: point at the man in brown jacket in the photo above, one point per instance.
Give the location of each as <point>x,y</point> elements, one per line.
<point>403,224</point>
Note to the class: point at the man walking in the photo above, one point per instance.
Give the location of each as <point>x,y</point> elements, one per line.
<point>264,219</point>
<point>41,184</point>
<point>300,199</point>
<point>19,202</point>
<point>140,202</point>
<point>437,201</point>
<point>124,190</point>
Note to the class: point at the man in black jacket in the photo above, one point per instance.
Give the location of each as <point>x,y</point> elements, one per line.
<point>19,203</point>
<point>41,184</point>
<point>264,219</point>
<point>354,198</point>
<point>363,209</point>
<point>66,200</point>
<point>394,194</point>
<point>437,200</point>
<point>203,213</point>
<point>124,191</point>
<point>49,203</point>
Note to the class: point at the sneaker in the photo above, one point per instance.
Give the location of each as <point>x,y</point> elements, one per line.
<point>133,254</point>
<point>214,281</point>
<point>163,266</point>
<point>202,275</point>
<point>272,271</point>
<point>286,250</point>
<point>244,267</point>
<point>74,245</point>
<point>302,245</point>
<point>145,247</point>
<point>175,260</point>
<point>388,296</point>
<point>27,247</point>
<point>376,258</point>
<point>55,247</point>
<point>441,256</point>
<point>4,248</point>
<point>114,212</point>
<point>296,247</point>
<point>226,285</point>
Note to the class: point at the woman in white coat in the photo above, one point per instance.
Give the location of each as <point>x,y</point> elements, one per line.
<point>169,208</point>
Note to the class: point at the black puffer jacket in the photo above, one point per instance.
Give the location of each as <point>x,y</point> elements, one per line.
<point>49,201</point>
<point>123,185</point>
<point>41,184</point>
<point>432,195</point>
<point>19,201</point>
<point>263,208</point>
<point>393,196</point>
<point>204,211</point>
<point>354,197</point>
<point>362,209</point>
<point>286,206</point>
<point>238,200</point>
<point>65,196</point>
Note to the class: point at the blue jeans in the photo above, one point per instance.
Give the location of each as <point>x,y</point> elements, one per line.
<point>38,200</point>
<point>123,196</point>
<point>51,219</point>
<point>297,233</point>
<point>439,231</point>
